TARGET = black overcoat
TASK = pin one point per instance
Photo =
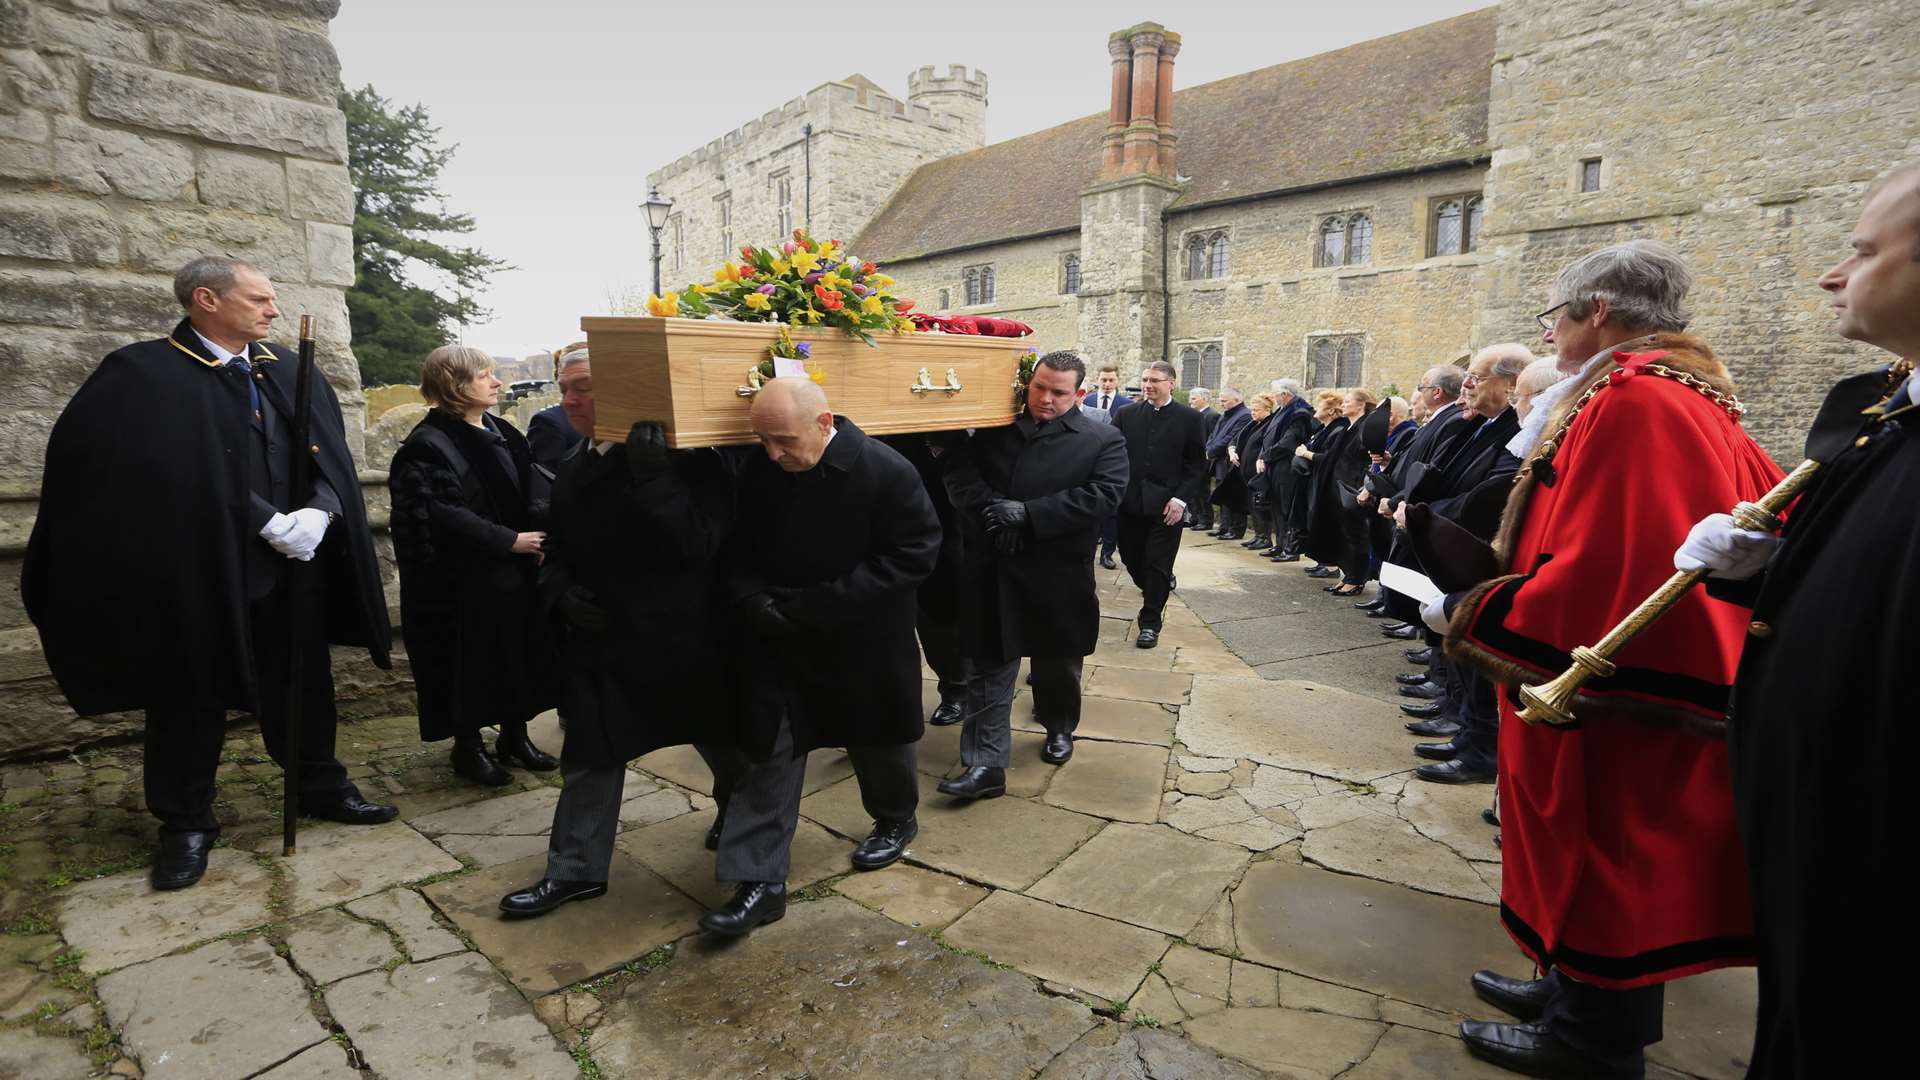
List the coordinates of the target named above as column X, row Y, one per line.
column 135, row 570
column 466, row 600
column 1226, row 433
column 939, row 595
column 550, row 437
column 1166, row 456
column 1252, row 481
column 843, row 547
column 650, row 555
column 1287, row 429
column 1039, row 601
column 1336, row 528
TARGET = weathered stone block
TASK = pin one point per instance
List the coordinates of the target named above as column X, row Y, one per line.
column 25, row 151
column 106, row 161
column 309, row 67
column 41, row 368
column 87, row 35
column 319, row 192
column 16, row 22
column 165, row 240
column 242, row 181
column 143, row 306
column 156, row 99
column 38, row 81
column 329, row 254
column 58, row 230
column 44, row 297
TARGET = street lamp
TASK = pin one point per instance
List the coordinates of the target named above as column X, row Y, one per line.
column 657, row 208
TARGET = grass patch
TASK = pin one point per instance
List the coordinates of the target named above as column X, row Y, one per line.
column 30, row 923
column 629, row 971
column 583, row 1058
column 971, row 954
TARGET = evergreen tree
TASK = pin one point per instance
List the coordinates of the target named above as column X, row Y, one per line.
column 399, row 215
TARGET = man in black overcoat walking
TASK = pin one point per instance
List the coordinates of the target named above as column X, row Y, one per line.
column 1166, row 459
column 1030, row 498
column 824, row 589
column 630, row 589
column 158, row 571
column 550, row 432
column 937, row 611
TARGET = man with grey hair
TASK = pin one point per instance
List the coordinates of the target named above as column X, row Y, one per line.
column 550, row 432
column 1289, row 428
column 168, row 501
column 1234, row 418
column 1166, row 461
column 1645, row 441
column 1200, row 514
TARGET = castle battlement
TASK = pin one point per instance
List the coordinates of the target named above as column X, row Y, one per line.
column 955, row 81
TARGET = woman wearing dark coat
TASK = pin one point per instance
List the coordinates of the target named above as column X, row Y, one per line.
column 1245, row 455
column 1292, row 425
column 1327, row 424
column 465, row 513
column 1337, row 525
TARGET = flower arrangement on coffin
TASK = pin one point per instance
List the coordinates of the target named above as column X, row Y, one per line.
column 804, row 282
column 1022, row 375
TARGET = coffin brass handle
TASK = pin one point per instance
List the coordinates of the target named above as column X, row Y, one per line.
column 754, row 381
column 925, row 385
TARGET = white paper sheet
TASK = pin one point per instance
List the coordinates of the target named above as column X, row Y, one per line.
column 1417, row 586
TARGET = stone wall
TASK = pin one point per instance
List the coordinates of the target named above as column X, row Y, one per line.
column 134, row 135
column 865, row 143
column 1744, row 132
column 1027, row 286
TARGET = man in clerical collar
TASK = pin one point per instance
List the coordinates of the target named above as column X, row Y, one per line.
column 1166, row 465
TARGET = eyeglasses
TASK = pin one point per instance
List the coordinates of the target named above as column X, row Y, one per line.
column 1546, row 318
column 1469, row 379
column 1423, row 388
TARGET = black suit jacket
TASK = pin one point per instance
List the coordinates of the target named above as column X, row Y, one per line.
column 1473, row 460
column 551, row 437
column 1166, row 456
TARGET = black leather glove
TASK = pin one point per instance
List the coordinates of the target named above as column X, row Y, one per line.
column 1008, row 541
column 646, row 450
column 582, row 610
column 762, row 616
column 1006, row 514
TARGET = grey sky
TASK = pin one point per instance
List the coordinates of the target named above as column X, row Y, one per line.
column 562, row 107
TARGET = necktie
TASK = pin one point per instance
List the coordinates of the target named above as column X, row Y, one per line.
column 240, row 364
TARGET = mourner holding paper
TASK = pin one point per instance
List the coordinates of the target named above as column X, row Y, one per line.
column 166, row 501
column 1822, row 717
column 1622, row 869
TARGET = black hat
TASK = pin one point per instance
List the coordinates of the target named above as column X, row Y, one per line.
column 1374, row 429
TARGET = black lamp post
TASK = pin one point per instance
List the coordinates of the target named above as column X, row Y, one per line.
column 657, row 208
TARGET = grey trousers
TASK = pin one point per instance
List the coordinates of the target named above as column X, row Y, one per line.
column 585, row 821
column 763, row 810
column 986, row 734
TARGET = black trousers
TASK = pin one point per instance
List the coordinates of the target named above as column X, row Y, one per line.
column 1148, row 546
column 183, row 743
column 1201, row 512
column 1109, row 535
column 1609, row 1026
column 940, row 644
column 1478, row 740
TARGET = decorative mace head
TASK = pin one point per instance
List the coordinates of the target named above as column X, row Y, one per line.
column 1552, row 701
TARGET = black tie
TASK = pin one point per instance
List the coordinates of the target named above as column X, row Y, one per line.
column 245, row 368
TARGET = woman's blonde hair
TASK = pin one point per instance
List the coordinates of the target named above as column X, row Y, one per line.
column 447, row 372
column 1327, row 399
column 1366, row 396
column 1264, row 400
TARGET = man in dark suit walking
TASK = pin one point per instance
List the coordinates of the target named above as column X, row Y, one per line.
column 1110, row 399
column 1166, row 458
column 550, row 433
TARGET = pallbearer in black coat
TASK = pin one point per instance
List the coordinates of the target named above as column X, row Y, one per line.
column 630, row 590
column 1166, row 459
column 937, row 614
column 1029, row 498
column 468, row 511
column 824, row 589
column 1821, row 725
column 165, row 502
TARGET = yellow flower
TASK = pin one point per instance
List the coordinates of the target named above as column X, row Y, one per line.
column 704, row 290
column 872, row 305
column 780, row 266
column 817, row 373
column 804, row 262
column 664, row 307
column 727, row 274
column 879, row 281
column 756, row 301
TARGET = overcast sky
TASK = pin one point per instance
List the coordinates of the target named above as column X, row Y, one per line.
column 561, row 107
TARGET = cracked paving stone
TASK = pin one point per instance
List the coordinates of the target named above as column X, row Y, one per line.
column 326, row 1061
column 676, row 849
column 527, row 813
column 121, row 920
column 832, row 992
column 487, row 851
column 922, row 899
column 1406, row 1051
column 1450, row 814
column 31, row 1056
column 346, row 862
column 1107, row 718
column 1196, row 764
column 1117, row 781
column 1148, row 875
column 1287, row 1041
column 1279, row 787
column 1388, row 849
column 1115, row 1052
column 1167, row 688
column 1155, row 1001
column 229, row 1008
column 1296, row 725
column 1191, row 783
column 1199, row 980
column 1191, row 813
column 1087, row 952
column 1258, row 834
column 329, row 946
column 453, row 1017
column 405, row 913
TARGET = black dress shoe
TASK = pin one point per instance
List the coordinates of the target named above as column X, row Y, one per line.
column 1487, row 815
column 1058, row 749
column 547, row 894
column 1147, row 639
column 1324, row 572
column 1374, row 604
column 713, row 834
column 1532, row 1050
column 1260, row 543
column 1440, row 727
column 754, row 903
column 181, row 860
column 1380, row 613
column 1426, row 711
column 1236, row 534
column 1523, row 998
column 1420, row 656
column 348, row 808
column 1425, row 691
column 1496, row 841
column 978, row 782
column 885, row 844
column 1412, row 678
column 1435, row 751
column 1407, row 632
column 1107, row 563
column 472, row 762
column 1453, row 772
column 1284, row 555
column 517, row 747
column 946, row 714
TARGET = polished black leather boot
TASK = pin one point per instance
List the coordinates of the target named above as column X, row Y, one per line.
column 946, row 714
column 348, row 808
column 1058, row 748
column 181, row 859
column 548, row 893
column 754, row 903
column 1532, row 1050
column 885, row 844
column 515, row 746
column 979, row 782
column 472, row 762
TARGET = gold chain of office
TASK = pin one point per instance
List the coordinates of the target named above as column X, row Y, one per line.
column 1726, row 402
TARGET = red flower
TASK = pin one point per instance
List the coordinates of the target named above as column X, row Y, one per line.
column 746, row 252
column 902, row 306
column 867, row 268
column 826, row 295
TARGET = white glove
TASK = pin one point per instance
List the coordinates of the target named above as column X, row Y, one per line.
column 1724, row 549
column 296, row 535
column 1434, row 614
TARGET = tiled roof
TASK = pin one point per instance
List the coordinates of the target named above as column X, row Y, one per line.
column 1400, row 102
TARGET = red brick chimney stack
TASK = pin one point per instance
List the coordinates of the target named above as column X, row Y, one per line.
column 1139, row 139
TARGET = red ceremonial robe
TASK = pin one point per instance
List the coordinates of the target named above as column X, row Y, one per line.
column 1621, row 863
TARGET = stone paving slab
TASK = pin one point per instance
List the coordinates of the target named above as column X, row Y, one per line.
column 1295, row 725
column 1367, row 670
column 832, row 992
column 1147, row 875
column 229, row 1008
column 1117, row 1052
column 1165, row 687
column 345, row 862
column 1087, row 952
column 1450, row 814
column 676, row 850
column 329, row 946
column 1710, row 1023
column 1406, row 1051
column 1125, row 654
column 405, row 913
column 1300, row 634
column 526, row 813
column 1027, row 775
column 921, row 899
column 487, row 851
column 681, row 765
column 1118, row 781
column 1287, row 1041
column 1112, row 719
column 326, row 1061
column 1382, row 938
column 453, row 1017
column 1008, row 843
column 1388, row 849
column 575, row 942
column 29, row 1056
column 121, row 920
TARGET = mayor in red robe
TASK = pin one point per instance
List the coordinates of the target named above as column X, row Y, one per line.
column 1622, row 866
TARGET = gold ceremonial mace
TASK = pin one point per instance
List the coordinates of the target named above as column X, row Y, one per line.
column 1553, row 701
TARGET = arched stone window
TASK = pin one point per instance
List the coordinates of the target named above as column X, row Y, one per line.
column 1344, row 240
column 1359, row 239
column 986, row 284
column 1196, row 257
column 1323, row 355
column 1210, row 358
column 1190, row 367
column 1332, row 249
column 1070, row 273
column 1457, row 224
column 1476, row 216
column 979, row 283
column 1336, row 360
column 1352, row 362
column 1217, row 255
column 1206, row 255
column 946, row 300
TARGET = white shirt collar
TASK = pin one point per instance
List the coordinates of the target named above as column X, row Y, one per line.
column 219, row 352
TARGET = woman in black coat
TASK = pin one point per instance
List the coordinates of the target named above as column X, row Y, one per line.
column 465, row 508
column 1327, row 423
column 1245, row 455
column 1337, row 525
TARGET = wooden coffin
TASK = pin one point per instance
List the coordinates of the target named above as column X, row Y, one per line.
column 691, row 375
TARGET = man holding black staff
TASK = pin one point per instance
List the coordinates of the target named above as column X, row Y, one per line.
column 159, row 568
column 1166, row 459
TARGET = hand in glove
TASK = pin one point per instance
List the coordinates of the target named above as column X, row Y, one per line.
column 763, row 616
column 582, row 610
column 1434, row 614
column 646, row 450
column 296, row 535
column 1724, row 549
column 1006, row 514
column 1008, row 541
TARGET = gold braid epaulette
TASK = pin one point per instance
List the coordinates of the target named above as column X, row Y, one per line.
column 1541, row 464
